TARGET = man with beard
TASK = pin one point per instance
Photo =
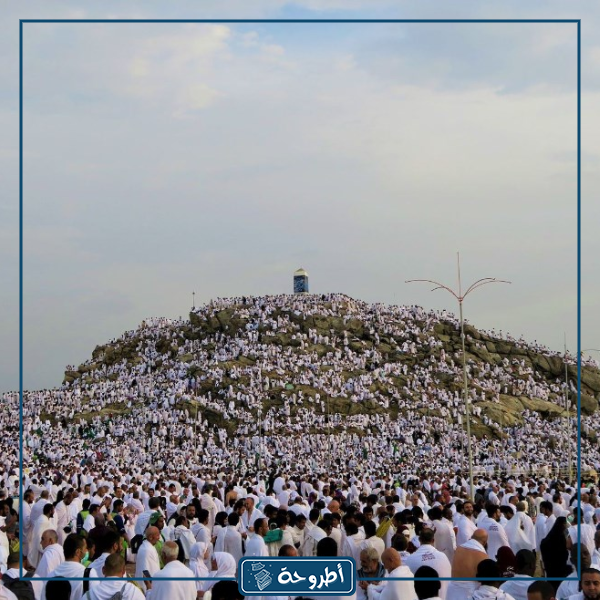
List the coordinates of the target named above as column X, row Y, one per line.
column 465, row 525
column 590, row 585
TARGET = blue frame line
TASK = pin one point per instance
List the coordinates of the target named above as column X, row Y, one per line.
column 300, row 21
column 357, row 579
column 306, row 21
column 579, row 294
column 21, row 491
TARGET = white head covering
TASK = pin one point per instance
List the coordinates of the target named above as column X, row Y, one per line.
column 197, row 552
column 226, row 566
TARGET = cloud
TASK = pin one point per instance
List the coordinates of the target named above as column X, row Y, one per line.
column 193, row 98
column 510, row 58
column 222, row 157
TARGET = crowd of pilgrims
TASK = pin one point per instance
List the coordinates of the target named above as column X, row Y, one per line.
column 132, row 536
column 144, row 421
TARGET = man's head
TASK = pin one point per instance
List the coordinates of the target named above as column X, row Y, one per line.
column 153, row 535
column 426, row 537
column 586, row 559
column 114, row 566
column 468, row 508
column 48, row 510
column 326, row 526
column 525, row 562
column 370, row 529
column 435, row 513
column 327, row 547
column 182, row 521
column 590, row 584
column 12, row 562
column 488, row 569
column 203, row 515
column 287, row 550
column 426, row 589
column 74, row 547
column 481, row 536
column 226, row 590
column 369, row 561
column 391, row 559
column 493, row 511
column 261, row 527
column 49, row 537
column 170, row 552
column 546, row 508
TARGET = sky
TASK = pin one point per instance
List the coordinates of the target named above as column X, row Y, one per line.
column 217, row 158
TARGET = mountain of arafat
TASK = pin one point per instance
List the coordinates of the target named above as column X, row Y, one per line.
column 338, row 380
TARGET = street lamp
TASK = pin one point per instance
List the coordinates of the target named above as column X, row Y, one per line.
column 260, row 436
column 568, row 417
column 460, row 297
column 590, row 350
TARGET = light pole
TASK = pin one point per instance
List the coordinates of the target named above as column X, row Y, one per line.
column 568, row 416
column 260, row 439
column 193, row 300
column 460, row 297
column 589, row 350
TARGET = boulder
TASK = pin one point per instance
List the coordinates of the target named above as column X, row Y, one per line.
column 482, row 353
column 556, row 365
column 500, row 414
column 491, row 347
column 544, row 407
column 589, row 404
column 591, row 378
column 503, row 347
column 541, row 362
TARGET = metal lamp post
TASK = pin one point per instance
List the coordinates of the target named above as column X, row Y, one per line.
column 587, row 350
column 590, row 350
column 568, row 417
column 260, row 437
column 460, row 298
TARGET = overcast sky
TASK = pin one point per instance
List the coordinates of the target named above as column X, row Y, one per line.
column 161, row 159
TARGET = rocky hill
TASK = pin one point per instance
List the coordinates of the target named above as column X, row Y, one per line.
column 361, row 358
